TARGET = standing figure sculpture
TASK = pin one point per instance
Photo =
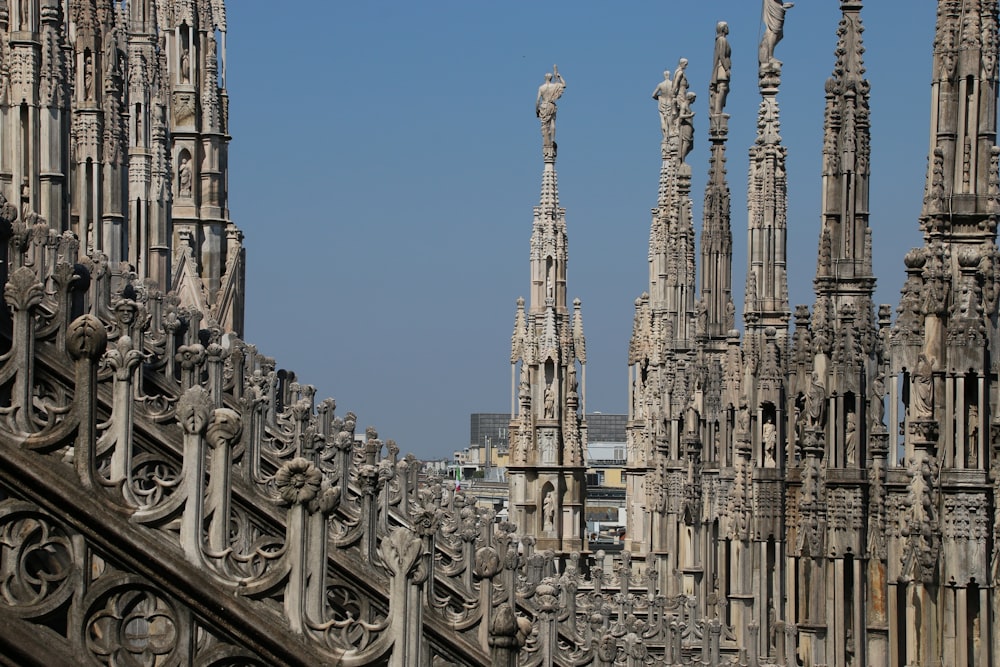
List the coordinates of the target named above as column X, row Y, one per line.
column 851, row 438
column 88, row 78
column 722, row 65
column 972, row 433
column 545, row 105
column 549, row 512
column 770, row 438
column 922, row 389
column 664, row 96
column 816, row 403
column 685, row 127
column 680, row 80
column 774, row 30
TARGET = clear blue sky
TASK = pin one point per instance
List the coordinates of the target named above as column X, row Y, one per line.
column 386, row 158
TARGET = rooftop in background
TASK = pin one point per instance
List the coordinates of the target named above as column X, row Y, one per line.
column 491, row 428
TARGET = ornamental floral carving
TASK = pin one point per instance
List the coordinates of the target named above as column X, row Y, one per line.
column 298, row 481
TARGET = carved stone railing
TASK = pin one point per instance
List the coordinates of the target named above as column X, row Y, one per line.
column 169, row 493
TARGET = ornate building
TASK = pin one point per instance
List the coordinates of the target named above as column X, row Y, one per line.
column 115, row 131
column 816, row 494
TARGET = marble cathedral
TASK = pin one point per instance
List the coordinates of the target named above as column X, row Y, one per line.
column 817, row 489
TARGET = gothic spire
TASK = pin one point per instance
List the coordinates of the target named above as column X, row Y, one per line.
column 715, row 311
column 844, row 277
column 548, row 434
column 766, row 299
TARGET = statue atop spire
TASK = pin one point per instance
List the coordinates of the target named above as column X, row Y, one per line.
column 545, row 108
column 774, row 30
column 722, row 66
column 674, row 104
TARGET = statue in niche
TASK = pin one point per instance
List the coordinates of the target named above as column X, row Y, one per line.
column 545, row 104
column 185, row 65
column 691, row 417
column 774, row 30
column 25, row 24
column 770, row 437
column 664, row 96
column 972, row 433
column 876, row 405
column 184, row 179
column 922, row 389
column 815, row 403
column 730, row 315
column 851, row 438
column 721, row 68
column 88, row 78
column 549, row 512
column 685, row 120
column 550, row 403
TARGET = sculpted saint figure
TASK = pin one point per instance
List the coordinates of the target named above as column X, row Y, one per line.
column 922, row 389
column 88, row 78
column 774, row 30
column 815, row 402
column 680, row 80
column 664, row 96
column 686, row 124
column 550, row 403
column 548, row 512
column 184, row 177
column 876, row 409
column 545, row 104
column 721, row 68
column 770, row 438
column 185, row 65
column 851, row 438
column 743, row 419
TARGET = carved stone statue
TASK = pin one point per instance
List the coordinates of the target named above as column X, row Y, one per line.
column 664, row 96
column 851, row 438
column 876, row 405
column 721, row 68
column 545, row 104
column 185, row 65
column 550, row 403
column 774, row 30
column 770, row 438
column 685, row 118
column 549, row 512
column 922, row 389
column 816, row 403
column 743, row 419
column 184, row 177
column 88, row 78
column 680, row 80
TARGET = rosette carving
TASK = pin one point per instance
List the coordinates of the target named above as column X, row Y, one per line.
column 298, row 481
